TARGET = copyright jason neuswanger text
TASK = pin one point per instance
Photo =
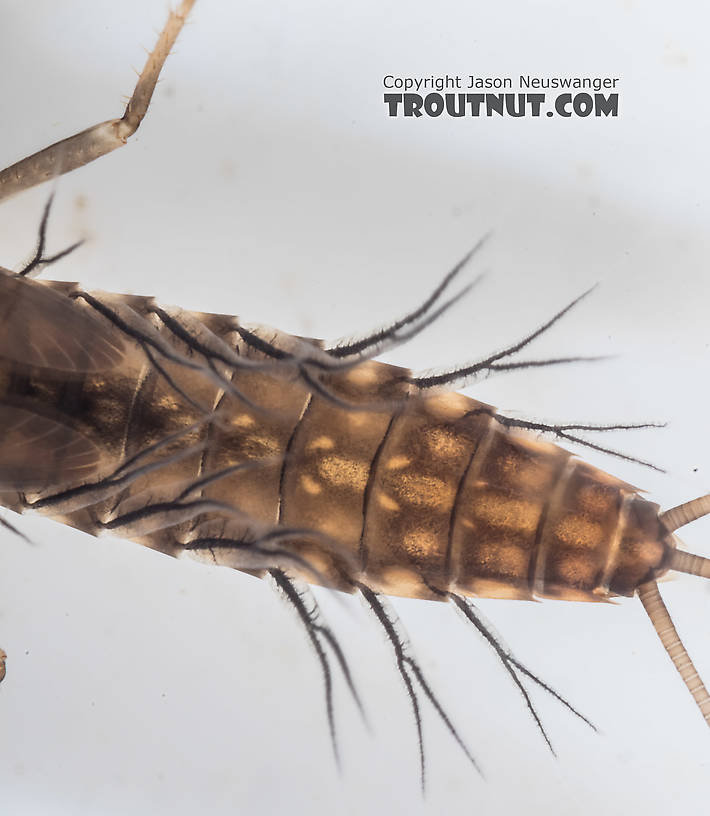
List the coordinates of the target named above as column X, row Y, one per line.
column 471, row 95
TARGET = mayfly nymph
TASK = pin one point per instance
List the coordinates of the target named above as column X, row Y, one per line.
column 198, row 434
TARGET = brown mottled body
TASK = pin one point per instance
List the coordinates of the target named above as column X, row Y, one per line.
column 410, row 492
column 413, row 493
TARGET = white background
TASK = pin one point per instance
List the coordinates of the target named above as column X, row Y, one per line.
column 267, row 181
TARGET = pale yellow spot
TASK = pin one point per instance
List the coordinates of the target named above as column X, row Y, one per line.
column 243, row 421
column 321, row 443
column 344, row 472
column 341, row 528
column 398, row 462
column 400, row 581
column 449, row 405
column 387, row 503
column 310, row 485
column 364, row 373
column 358, row 419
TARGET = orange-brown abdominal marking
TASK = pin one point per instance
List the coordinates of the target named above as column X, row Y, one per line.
column 438, row 494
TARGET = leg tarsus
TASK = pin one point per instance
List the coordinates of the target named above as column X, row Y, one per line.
column 81, row 148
